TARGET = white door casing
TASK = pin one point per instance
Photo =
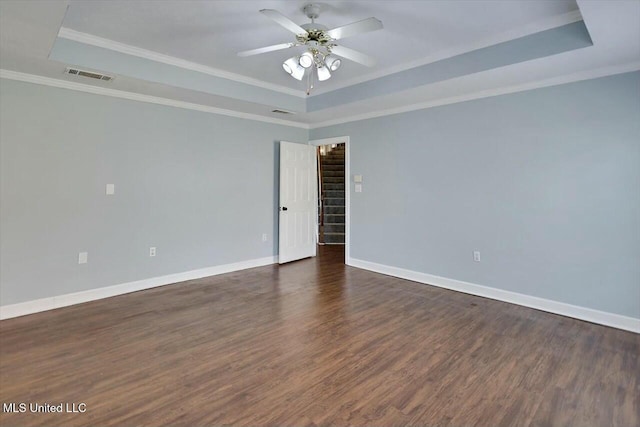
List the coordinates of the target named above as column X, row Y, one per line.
column 298, row 202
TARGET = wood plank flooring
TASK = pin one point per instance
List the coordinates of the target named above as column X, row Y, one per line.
column 316, row 343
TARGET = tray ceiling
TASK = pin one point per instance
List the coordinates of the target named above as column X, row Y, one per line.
column 212, row 32
column 429, row 53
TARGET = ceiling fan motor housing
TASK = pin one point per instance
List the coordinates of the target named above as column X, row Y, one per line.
column 315, row 33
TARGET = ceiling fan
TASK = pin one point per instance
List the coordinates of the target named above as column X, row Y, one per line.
column 323, row 54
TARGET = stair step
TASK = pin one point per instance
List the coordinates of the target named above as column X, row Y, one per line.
column 332, row 173
column 334, row 194
column 333, row 168
column 329, row 210
column 333, row 186
column 333, row 180
column 334, row 238
column 333, row 201
column 334, row 218
column 333, row 228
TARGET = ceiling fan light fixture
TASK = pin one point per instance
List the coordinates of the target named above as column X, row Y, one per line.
column 322, row 55
column 298, row 73
column 306, row 60
column 292, row 67
column 333, row 63
column 287, row 66
column 323, row 74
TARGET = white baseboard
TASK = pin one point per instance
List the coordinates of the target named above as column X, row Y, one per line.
column 43, row 304
column 582, row 313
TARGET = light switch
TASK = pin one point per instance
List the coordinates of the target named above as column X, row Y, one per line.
column 111, row 189
column 357, row 178
column 358, row 188
column 83, row 257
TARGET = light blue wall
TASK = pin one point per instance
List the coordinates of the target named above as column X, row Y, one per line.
column 199, row 187
column 545, row 183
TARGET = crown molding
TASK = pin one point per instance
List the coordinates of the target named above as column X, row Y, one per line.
column 98, row 90
column 555, row 81
column 90, row 39
column 516, row 33
column 132, row 96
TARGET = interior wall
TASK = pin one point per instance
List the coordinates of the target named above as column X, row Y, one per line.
column 199, row 187
column 544, row 183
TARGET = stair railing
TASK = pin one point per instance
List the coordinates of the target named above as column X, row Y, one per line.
column 320, row 195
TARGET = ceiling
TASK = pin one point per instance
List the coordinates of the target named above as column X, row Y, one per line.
column 212, row 32
column 203, row 37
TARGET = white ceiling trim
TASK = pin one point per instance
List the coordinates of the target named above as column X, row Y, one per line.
column 132, row 96
column 90, row 39
column 555, row 81
column 97, row 90
column 525, row 30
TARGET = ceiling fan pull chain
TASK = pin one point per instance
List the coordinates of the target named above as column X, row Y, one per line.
column 309, row 81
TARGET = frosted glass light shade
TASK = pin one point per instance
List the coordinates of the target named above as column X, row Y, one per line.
column 306, row 60
column 333, row 63
column 292, row 67
column 323, row 74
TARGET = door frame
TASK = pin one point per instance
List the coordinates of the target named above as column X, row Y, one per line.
column 347, row 189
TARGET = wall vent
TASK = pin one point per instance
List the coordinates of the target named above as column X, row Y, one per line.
column 90, row 74
column 282, row 112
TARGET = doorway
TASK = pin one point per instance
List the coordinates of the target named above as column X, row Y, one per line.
column 333, row 219
column 331, row 194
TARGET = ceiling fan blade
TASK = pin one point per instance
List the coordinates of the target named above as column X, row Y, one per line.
column 266, row 49
column 364, row 26
column 284, row 21
column 354, row 55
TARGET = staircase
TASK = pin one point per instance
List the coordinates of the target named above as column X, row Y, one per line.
column 332, row 163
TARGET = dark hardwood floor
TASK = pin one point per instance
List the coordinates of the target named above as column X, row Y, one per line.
column 316, row 343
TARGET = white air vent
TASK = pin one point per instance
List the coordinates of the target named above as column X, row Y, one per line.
column 282, row 112
column 90, row 74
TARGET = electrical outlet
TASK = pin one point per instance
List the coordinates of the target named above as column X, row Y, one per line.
column 152, row 251
column 476, row 256
column 83, row 257
column 111, row 189
column 265, row 237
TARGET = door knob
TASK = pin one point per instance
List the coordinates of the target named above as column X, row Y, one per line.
column 284, row 208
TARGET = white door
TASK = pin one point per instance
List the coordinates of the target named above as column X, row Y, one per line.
column 298, row 202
